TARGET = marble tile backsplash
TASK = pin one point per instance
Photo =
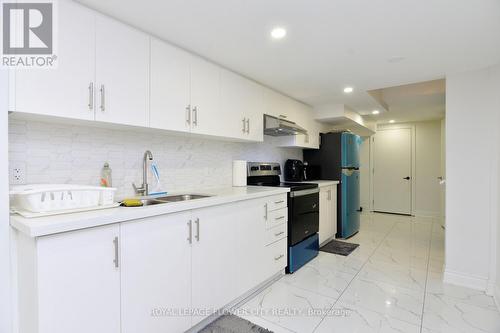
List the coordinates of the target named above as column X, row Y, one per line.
column 60, row 153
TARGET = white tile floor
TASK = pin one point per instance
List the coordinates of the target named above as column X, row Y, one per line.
column 391, row 283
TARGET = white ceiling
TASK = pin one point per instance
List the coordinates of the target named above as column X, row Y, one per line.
column 412, row 102
column 330, row 43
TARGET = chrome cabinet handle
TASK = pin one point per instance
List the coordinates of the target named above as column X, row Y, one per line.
column 279, row 257
column 197, row 236
column 103, row 98
column 279, row 233
column 265, row 211
column 190, row 232
column 279, row 218
column 278, row 202
column 116, row 260
column 195, row 116
column 91, row 96
column 188, row 114
column 244, row 126
column 248, row 125
column 329, row 195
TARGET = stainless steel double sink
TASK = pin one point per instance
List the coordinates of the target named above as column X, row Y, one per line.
column 172, row 198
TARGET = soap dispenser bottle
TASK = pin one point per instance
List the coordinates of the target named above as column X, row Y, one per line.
column 106, row 180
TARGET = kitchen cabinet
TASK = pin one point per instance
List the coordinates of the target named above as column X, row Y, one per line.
column 70, row 282
column 207, row 116
column 146, row 272
column 327, row 213
column 122, row 73
column 65, row 91
column 156, row 274
column 170, row 87
column 243, row 103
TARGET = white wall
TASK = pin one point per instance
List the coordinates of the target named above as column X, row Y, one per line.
column 5, row 283
column 56, row 153
column 472, row 120
column 427, row 135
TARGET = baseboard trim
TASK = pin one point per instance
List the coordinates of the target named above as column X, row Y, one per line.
column 423, row 213
column 463, row 280
column 496, row 296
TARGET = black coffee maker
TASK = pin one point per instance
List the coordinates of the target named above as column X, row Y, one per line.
column 294, row 171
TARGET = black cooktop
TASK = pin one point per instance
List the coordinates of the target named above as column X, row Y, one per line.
column 292, row 186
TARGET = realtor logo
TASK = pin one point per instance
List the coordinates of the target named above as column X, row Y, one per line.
column 28, row 34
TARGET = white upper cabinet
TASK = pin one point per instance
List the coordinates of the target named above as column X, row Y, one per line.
column 122, row 73
column 65, row 91
column 77, row 282
column 207, row 116
column 156, row 273
column 170, row 87
column 242, row 102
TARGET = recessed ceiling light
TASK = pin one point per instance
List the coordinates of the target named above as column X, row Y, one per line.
column 392, row 121
column 278, row 33
column 348, row 90
column 375, row 112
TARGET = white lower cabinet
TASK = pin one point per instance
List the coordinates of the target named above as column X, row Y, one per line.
column 70, row 282
column 158, row 274
column 155, row 274
column 327, row 213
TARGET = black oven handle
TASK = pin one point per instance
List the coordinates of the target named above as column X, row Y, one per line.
column 300, row 193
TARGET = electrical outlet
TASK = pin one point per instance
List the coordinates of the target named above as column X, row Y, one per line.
column 17, row 173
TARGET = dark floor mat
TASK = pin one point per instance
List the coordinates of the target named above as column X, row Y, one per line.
column 233, row 324
column 338, row 247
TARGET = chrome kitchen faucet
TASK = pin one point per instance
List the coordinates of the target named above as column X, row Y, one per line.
column 144, row 189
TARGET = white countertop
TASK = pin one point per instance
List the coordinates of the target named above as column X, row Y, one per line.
column 322, row 183
column 41, row 226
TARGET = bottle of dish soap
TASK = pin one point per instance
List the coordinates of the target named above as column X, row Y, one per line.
column 106, row 180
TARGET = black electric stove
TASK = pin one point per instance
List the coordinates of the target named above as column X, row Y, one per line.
column 303, row 212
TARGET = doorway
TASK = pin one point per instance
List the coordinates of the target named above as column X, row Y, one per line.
column 392, row 171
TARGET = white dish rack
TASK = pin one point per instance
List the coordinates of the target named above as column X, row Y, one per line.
column 51, row 198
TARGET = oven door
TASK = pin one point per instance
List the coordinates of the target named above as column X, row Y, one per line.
column 303, row 215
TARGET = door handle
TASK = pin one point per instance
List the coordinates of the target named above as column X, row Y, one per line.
column 190, row 232
column 248, row 125
column 91, row 96
column 103, row 98
column 188, row 114
column 195, row 116
column 244, row 125
column 116, row 259
column 407, row 178
column 329, row 195
column 265, row 211
column 197, row 222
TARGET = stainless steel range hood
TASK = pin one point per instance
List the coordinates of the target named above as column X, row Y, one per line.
column 280, row 127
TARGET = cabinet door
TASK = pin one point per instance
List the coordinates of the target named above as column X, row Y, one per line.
column 333, row 207
column 65, row 91
column 214, row 261
column 156, row 274
column 170, row 87
column 249, row 253
column 78, row 282
column 122, row 73
column 242, row 102
column 207, row 116
column 324, row 208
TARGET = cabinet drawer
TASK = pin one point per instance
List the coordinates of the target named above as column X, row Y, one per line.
column 276, row 217
column 277, row 202
column 276, row 253
column 276, row 233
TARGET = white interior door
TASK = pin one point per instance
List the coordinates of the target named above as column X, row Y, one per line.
column 392, row 166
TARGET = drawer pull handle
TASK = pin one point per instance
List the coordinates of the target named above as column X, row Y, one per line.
column 279, row 202
column 279, row 233
column 279, row 257
column 280, row 218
